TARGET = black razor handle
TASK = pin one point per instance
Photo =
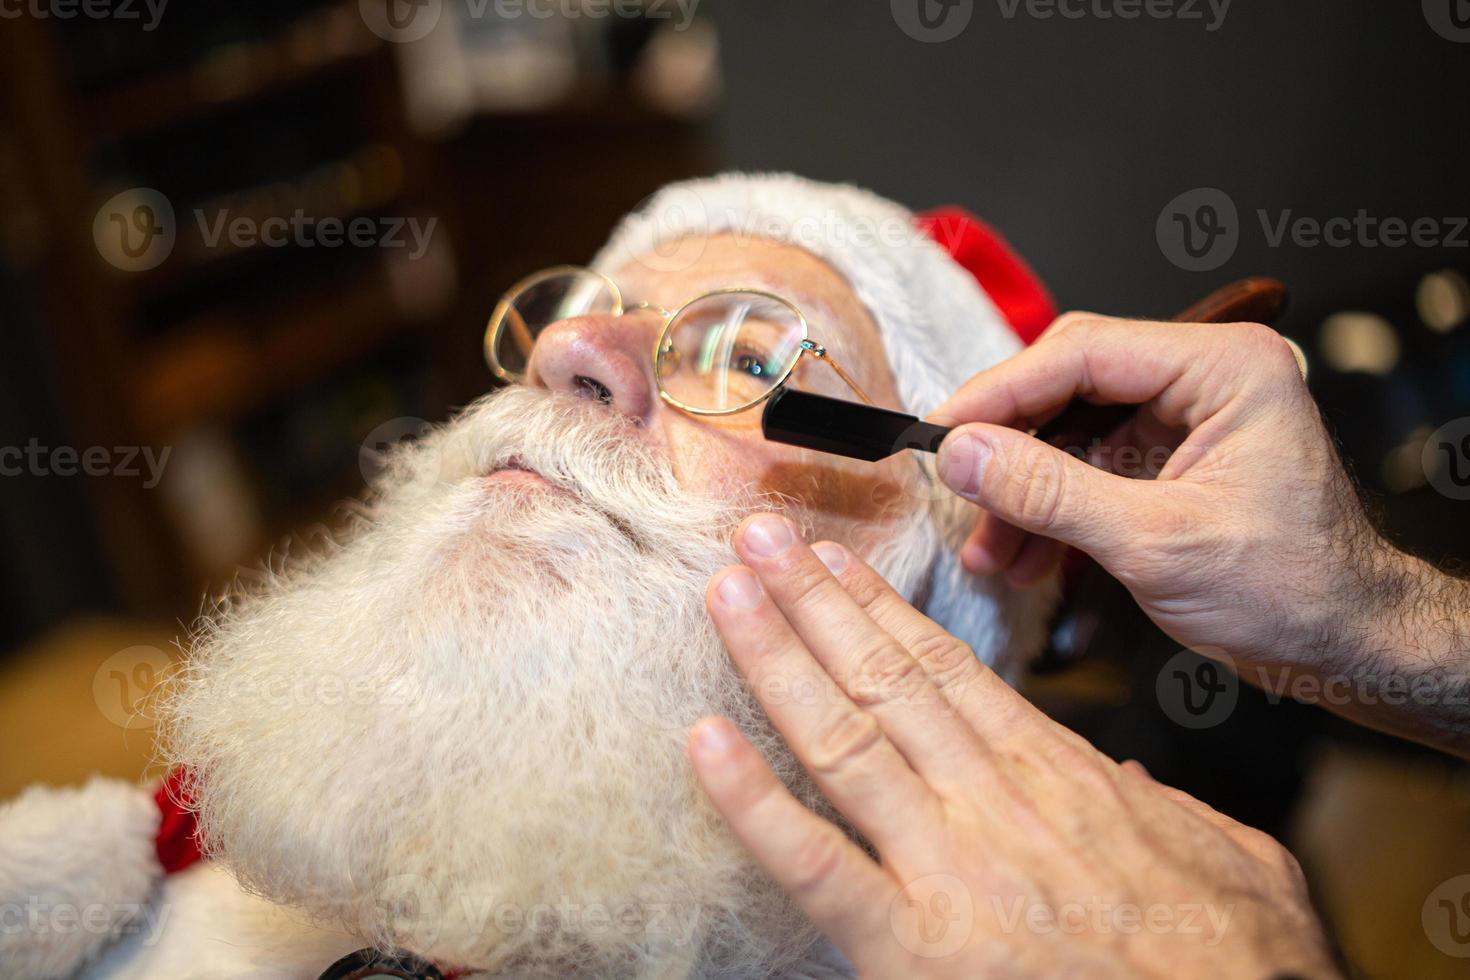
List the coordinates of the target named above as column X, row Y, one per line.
column 831, row 425
column 858, row 431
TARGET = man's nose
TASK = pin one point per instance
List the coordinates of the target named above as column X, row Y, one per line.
column 605, row 358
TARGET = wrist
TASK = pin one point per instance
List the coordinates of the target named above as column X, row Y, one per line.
column 1397, row 642
column 1340, row 615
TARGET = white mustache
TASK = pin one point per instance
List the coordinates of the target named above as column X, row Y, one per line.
column 602, row 458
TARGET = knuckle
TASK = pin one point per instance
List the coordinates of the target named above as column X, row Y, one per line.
column 1066, row 757
column 884, row 674
column 808, row 587
column 1081, row 763
column 817, row 860
column 842, row 739
column 1039, row 492
column 945, row 659
column 1276, row 855
column 1269, row 349
column 865, row 592
column 1071, row 321
column 1292, row 866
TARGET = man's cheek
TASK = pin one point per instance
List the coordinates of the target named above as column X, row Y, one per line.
column 718, row 459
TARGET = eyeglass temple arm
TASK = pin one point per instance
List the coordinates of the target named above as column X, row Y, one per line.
column 822, row 354
column 522, row 333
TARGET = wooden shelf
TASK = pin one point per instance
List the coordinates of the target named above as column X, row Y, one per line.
column 232, row 75
column 224, row 366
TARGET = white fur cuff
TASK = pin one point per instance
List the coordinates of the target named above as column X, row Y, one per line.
column 75, row 866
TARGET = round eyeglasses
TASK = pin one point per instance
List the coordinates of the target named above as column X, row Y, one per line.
column 719, row 353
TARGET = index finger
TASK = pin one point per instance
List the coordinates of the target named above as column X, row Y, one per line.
column 994, row 709
column 1106, row 361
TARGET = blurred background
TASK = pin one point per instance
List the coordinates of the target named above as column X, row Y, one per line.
column 180, row 398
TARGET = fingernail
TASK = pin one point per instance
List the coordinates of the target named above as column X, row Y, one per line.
column 714, row 738
column 963, row 464
column 833, row 555
column 739, row 589
column 768, row 536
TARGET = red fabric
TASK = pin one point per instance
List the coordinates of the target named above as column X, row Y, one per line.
column 1006, row 279
column 177, row 841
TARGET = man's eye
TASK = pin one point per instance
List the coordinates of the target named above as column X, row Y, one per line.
column 747, row 363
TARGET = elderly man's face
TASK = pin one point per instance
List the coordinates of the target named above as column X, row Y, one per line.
column 726, row 454
column 517, row 635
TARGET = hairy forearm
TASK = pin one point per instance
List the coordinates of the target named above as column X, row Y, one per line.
column 1424, row 634
column 1392, row 653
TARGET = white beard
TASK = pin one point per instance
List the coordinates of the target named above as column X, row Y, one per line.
column 462, row 732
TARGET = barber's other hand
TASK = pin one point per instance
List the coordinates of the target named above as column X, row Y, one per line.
column 1005, row 844
column 1222, row 506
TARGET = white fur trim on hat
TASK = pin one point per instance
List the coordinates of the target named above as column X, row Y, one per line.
column 938, row 326
column 76, row 865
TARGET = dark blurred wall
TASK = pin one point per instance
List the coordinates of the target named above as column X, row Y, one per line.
column 1072, row 135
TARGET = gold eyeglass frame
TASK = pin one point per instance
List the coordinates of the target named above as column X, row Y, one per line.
column 505, row 313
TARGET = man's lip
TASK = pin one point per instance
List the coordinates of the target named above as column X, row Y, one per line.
column 516, row 475
column 515, row 470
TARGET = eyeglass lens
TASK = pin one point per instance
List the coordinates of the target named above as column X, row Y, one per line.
column 726, row 351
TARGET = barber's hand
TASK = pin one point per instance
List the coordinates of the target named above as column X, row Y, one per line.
column 1005, row 844
column 1244, row 533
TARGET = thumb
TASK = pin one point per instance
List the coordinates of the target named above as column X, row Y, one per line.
column 1040, row 488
